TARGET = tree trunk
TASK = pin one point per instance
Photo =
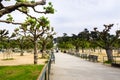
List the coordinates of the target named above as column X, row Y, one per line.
column 100, row 50
column 21, row 46
column 21, row 54
column 94, row 49
column 43, row 50
column 77, row 49
column 82, row 50
column 35, row 52
column 109, row 54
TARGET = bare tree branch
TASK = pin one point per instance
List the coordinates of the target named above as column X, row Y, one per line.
column 42, row 32
column 16, row 23
column 11, row 8
column 28, row 15
column 38, row 11
column 1, row 5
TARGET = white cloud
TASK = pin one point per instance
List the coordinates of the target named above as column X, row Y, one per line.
column 86, row 13
column 73, row 16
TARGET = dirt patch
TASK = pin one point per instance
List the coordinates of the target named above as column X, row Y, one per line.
column 101, row 54
column 19, row 60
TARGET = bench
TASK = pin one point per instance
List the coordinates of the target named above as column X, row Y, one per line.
column 93, row 58
column 84, row 56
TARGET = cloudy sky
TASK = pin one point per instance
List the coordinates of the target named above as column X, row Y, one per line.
column 72, row 16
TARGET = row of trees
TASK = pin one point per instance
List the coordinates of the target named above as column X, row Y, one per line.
column 92, row 39
column 22, row 42
column 33, row 30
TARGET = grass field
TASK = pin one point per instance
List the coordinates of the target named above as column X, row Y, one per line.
column 20, row 72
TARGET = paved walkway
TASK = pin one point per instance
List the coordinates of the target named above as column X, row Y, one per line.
column 69, row 67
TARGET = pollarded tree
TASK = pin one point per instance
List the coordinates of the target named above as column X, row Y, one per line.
column 105, row 40
column 21, row 44
column 27, row 44
column 66, row 46
column 14, row 44
column 84, row 39
column 9, row 39
column 23, row 6
column 75, row 40
column 50, row 44
column 64, row 42
column 43, row 43
column 24, row 43
column 9, row 51
column 45, row 40
column 3, row 36
column 92, row 45
column 36, row 30
column 21, row 35
column 5, row 41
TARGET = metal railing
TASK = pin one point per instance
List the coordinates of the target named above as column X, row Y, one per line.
column 116, row 59
column 45, row 73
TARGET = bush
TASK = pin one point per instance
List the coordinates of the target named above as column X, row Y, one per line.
column 107, row 62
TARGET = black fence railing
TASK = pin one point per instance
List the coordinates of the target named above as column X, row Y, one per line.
column 116, row 59
column 45, row 73
column 89, row 57
column 115, row 62
column 94, row 58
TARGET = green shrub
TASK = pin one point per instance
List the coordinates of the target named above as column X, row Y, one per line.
column 107, row 62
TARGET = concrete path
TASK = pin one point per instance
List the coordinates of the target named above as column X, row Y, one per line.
column 69, row 67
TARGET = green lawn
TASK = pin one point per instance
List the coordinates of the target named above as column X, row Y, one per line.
column 21, row 72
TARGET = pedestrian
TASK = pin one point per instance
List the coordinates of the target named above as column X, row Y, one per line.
column 52, row 57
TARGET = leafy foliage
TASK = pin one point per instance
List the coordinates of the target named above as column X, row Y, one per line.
column 49, row 8
column 10, row 18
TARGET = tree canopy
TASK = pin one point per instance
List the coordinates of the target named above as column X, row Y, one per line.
column 24, row 7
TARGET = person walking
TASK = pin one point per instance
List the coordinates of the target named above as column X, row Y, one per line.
column 52, row 57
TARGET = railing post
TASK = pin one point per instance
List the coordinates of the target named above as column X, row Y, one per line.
column 49, row 67
column 48, row 70
column 45, row 76
column 103, row 59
